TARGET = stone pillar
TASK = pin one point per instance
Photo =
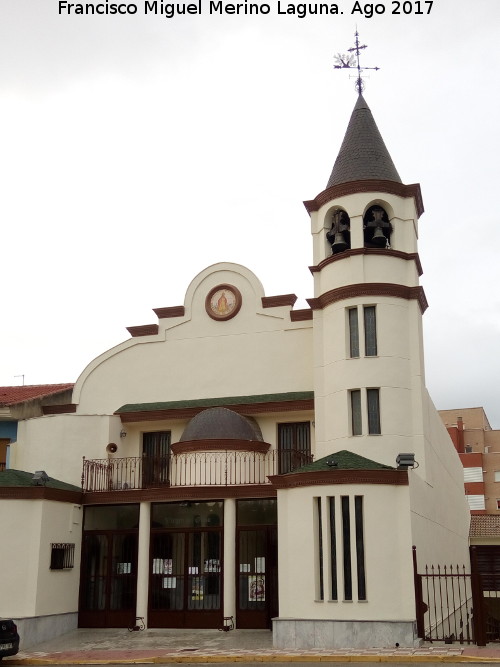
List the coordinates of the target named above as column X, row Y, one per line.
column 229, row 557
column 143, row 561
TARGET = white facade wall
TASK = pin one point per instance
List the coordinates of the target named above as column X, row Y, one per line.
column 40, row 591
column 258, row 352
column 387, row 533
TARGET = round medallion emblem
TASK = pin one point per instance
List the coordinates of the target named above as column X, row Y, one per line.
column 223, row 302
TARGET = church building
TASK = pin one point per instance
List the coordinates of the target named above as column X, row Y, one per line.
column 244, row 462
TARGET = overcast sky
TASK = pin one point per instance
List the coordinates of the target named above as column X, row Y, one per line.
column 136, row 150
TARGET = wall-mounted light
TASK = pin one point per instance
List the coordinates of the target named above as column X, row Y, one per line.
column 405, row 461
column 123, row 434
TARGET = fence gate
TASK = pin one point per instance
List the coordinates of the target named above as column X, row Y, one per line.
column 454, row 605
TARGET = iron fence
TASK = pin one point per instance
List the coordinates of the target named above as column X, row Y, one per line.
column 220, row 468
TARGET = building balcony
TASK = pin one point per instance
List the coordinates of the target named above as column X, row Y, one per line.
column 215, row 468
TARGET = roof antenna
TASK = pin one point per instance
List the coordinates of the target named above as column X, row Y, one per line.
column 350, row 60
column 20, row 376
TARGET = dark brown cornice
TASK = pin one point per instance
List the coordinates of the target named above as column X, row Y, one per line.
column 301, row 315
column 144, row 330
column 242, row 409
column 323, row 477
column 370, row 289
column 228, row 444
column 58, row 409
column 171, row 311
column 40, row 493
column 372, row 185
column 280, row 300
column 369, row 251
column 179, row 493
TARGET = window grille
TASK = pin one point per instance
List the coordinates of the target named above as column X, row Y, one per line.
column 62, row 556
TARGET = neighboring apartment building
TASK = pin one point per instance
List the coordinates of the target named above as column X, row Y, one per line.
column 23, row 402
column 239, row 458
column 478, row 446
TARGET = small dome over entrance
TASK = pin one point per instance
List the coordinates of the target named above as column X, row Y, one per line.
column 221, row 424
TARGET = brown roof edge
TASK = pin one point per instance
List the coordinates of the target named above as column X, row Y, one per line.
column 301, row 315
column 279, row 300
column 413, row 256
column 323, row 477
column 369, row 185
column 170, row 311
column 370, row 289
column 242, row 409
column 143, row 330
column 40, row 493
column 59, row 409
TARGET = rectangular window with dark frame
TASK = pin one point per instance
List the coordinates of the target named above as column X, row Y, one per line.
column 360, row 547
column 346, row 543
column 370, row 322
column 373, row 406
column 333, row 550
column 294, row 446
column 356, row 423
column 352, row 315
column 320, row 594
column 62, row 556
column 155, row 458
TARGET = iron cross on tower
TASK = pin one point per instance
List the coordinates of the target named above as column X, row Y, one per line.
column 350, row 60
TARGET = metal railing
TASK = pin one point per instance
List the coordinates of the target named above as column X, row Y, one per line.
column 221, row 468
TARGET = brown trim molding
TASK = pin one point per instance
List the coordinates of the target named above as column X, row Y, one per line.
column 280, row 300
column 301, row 315
column 40, row 493
column 58, row 409
column 143, row 330
column 370, row 289
column 413, row 256
column 171, row 311
column 371, row 185
column 226, row 445
column 322, row 477
column 242, row 409
column 179, row 493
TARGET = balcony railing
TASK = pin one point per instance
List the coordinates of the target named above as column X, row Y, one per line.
column 3, row 466
column 223, row 468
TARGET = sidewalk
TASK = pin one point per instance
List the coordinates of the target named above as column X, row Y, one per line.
column 102, row 646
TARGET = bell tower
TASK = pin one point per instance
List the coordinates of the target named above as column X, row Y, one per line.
column 368, row 304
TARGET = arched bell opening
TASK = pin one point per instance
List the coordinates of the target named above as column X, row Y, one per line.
column 339, row 236
column 377, row 229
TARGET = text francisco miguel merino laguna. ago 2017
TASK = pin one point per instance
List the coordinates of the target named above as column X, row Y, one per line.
column 219, row 7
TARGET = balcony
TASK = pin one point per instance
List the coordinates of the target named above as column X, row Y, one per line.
column 219, row 468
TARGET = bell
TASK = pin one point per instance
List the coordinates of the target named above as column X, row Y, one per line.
column 339, row 244
column 378, row 238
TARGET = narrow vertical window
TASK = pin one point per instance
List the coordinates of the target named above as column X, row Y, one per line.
column 373, row 404
column 360, row 547
column 353, row 332
column 356, row 412
column 333, row 550
column 319, row 543
column 346, row 541
column 370, row 321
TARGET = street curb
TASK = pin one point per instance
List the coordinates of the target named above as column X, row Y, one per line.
column 252, row 657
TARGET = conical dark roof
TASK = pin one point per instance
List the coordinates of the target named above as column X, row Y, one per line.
column 363, row 154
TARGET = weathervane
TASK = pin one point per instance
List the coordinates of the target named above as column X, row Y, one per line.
column 350, row 60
